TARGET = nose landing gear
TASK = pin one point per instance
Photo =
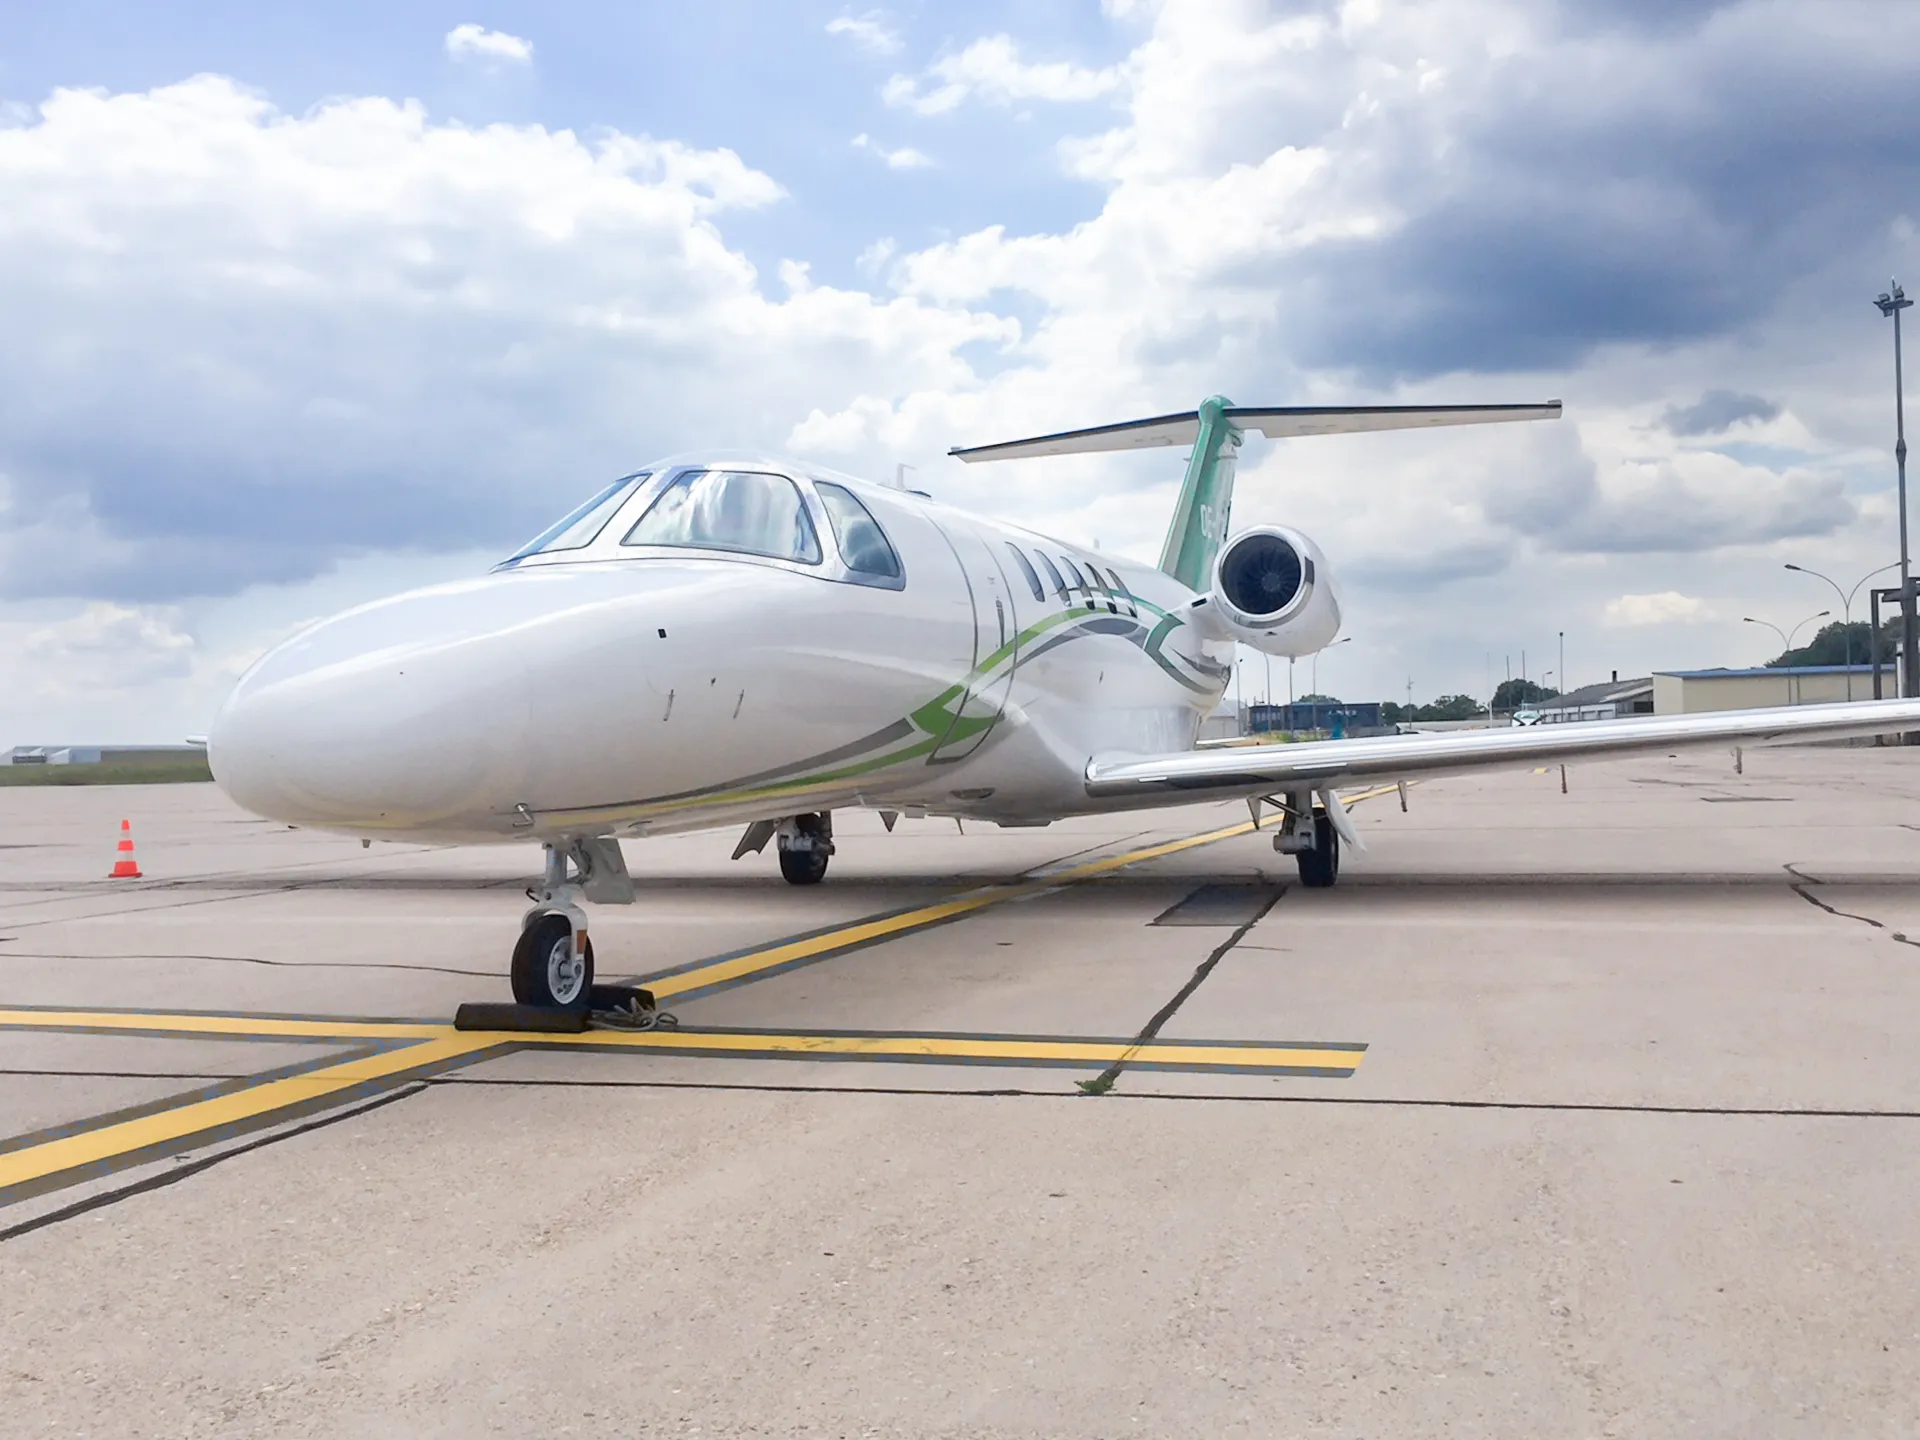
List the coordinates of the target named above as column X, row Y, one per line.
column 552, row 963
column 553, row 959
column 806, row 843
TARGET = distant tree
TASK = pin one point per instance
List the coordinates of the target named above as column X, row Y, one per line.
column 1451, row 707
column 1838, row 642
column 1317, row 700
column 1392, row 712
column 1513, row 694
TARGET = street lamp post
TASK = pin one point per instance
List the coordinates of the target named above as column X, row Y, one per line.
column 1786, row 639
column 1846, row 611
column 1891, row 303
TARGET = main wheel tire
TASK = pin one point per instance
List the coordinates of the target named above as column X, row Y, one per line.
column 803, row 867
column 1320, row 866
column 546, row 971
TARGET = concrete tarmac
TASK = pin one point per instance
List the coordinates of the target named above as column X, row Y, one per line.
column 1594, row 1114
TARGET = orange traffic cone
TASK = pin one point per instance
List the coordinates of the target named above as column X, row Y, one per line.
column 126, row 867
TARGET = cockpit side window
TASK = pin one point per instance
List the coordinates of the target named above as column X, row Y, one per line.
column 1079, row 580
column 745, row 511
column 863, row 544
column 581, row 526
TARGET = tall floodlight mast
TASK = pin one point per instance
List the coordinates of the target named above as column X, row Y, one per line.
column 1892, row 303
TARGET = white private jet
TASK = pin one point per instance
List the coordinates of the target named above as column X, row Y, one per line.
column 725, row 639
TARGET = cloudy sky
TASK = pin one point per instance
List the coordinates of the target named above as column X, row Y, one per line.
column 301, row 304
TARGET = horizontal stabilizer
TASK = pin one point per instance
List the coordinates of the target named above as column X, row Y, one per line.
column 1274, row 422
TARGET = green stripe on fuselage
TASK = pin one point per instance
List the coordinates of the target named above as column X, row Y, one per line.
column 935, row 723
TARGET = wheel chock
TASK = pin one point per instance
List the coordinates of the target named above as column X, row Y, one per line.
column 540, row 1019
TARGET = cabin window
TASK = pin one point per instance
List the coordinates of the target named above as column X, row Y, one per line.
column 745, row 511
column 1079, row 580
column 863, row 544
column 1059, row 585
column 581, row 526
column 1026, row 569
column 1106, row 594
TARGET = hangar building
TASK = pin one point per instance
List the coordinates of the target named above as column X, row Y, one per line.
column 1687, row 692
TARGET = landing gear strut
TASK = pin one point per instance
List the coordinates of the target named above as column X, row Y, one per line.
column 806, row 844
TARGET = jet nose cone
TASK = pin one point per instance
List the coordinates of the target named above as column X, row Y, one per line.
column 406, row 713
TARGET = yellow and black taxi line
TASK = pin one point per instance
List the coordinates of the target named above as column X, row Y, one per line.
column 377, row 1056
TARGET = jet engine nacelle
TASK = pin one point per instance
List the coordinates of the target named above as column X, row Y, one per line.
column 1272, row 591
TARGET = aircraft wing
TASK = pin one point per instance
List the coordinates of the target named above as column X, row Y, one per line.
column 1275, row 423
column 1259, row 770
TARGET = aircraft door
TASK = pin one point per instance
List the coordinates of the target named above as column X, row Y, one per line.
column 996, row 629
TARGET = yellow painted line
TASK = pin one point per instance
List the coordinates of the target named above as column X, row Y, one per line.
column 171, row 1127
column 434, row 1045
column 736, row 968
column 864, row 932
column 251, row 1026
column 1016, row 1049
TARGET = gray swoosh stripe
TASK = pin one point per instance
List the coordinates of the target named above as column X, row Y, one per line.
column 879, row 739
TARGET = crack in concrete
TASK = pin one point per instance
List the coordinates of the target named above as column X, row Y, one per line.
column 1387, row 1102
column 1807, row 895
column 259, row 960
column 1103, row 1082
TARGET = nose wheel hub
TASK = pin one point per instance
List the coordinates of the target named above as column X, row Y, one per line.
column 566, row 971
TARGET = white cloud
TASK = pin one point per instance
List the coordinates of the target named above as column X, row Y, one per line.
column 992, row 70
column 105, row 648
column 245, row 344
column 869, row 31
column 905, row 158
column 873, row 260
column 1668, row 607
column 475, row 42
column 247, row 350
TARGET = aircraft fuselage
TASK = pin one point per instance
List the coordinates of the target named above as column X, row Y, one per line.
column 620, row 689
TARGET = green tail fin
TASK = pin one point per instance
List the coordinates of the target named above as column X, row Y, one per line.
column 1200, row 516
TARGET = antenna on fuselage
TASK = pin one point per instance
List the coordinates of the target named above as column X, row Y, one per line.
column 900, row 475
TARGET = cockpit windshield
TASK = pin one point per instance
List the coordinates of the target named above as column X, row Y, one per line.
column 746, row 511
column 581, row 526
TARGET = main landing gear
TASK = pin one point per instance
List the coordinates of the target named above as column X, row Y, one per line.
column 806, row 844
column 1309, row 835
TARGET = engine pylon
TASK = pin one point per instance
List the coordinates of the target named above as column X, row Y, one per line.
column 125, row 867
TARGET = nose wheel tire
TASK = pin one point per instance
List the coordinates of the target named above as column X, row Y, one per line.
column 547, row 969
column 1320, row 866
